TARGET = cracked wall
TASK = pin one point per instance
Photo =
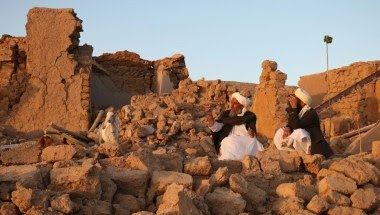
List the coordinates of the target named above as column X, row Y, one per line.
column 119, row 76
column 57, row 72
column 13, row 74
column 270, row 100
column 358, row 109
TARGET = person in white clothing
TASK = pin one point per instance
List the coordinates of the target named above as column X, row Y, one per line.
column 303, row 131
column 234, row 132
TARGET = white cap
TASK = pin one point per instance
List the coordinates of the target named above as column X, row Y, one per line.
column 303, row 96
column 241, row 99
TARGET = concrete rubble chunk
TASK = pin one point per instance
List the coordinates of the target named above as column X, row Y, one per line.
column 250, row 165
column 296, row 189
column 81, row 181
column 171, row 162
column 365, row 199
column 111, row 149
column 132, row 182
column 8, row 208
column 202, row 186
column 339, row 210
column 198, row 166
column 328, row 172
column 220, row 177
column 288, row 205
column 335, row 198
column 30, row 176
column 143, row 213
column 143, row 160
column 317, row 205
column 58, row 153
column 109, row 188
column 23, row 153
column 26, row 199
column 357, row 169
column 161, row 179
column 233, row 166
column 128, row 202
column 340, row 184
column 250, row 192
column 313, row 163
column 224, row 201
column 176, row 200
column 289, row 161
column 64, row 204
column 94, row 206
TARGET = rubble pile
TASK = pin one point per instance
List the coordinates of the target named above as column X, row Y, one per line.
column 165, row 163
column 155, row 155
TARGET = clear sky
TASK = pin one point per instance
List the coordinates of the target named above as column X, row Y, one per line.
column 225, row 40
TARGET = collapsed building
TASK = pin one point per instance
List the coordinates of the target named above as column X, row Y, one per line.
column 165, row 160
column 46, row 77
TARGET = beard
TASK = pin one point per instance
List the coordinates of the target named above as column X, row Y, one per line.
column 234, row 113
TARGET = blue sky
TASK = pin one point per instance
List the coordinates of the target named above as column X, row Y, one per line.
column 225, row 40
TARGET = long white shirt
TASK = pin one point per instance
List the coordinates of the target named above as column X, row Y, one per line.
column 238, row 143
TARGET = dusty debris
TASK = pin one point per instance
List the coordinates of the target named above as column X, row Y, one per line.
column 154, row 154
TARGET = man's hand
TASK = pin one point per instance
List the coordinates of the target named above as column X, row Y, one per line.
column 251, row 133
column 287, row 132
column 293, row 101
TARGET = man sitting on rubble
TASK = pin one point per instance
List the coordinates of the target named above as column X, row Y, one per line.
column 303, row 131
column 234, row 133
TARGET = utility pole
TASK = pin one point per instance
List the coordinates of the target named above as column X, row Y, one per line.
column 327, row 40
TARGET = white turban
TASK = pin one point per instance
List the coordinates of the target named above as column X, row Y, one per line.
column 303, row 96
column 241, row 99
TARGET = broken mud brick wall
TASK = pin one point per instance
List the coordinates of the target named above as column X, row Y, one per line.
column 47, row 77
column 270, row 100
column 13, row 74
column 121, row 75
column 361, row 106
column 53, row 84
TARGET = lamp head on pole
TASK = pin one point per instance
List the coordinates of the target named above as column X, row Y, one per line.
column 328, row 39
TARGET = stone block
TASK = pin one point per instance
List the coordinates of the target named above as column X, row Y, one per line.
column 358, row 169
column 23, row 153
column 132, row 182
column 365, row 199
column 224, row 201
column 337, row 183
column 64, row 204
column 58, row 153
column 339, row 210
column 233, row 166
column 81, row 181
column 161, row 179
column 198, row 166
column 335, row 198
column 288, row 205
column 317, row 205
column 220, row 177
column 291, row 190
column 250, row 192
column 177, row 200
column 29, row 176
column 26, row 198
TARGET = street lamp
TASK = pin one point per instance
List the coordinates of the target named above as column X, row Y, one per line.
column 327, row 40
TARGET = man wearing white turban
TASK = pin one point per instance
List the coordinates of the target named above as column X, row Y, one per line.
column 303, row 131
column 234, row 132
